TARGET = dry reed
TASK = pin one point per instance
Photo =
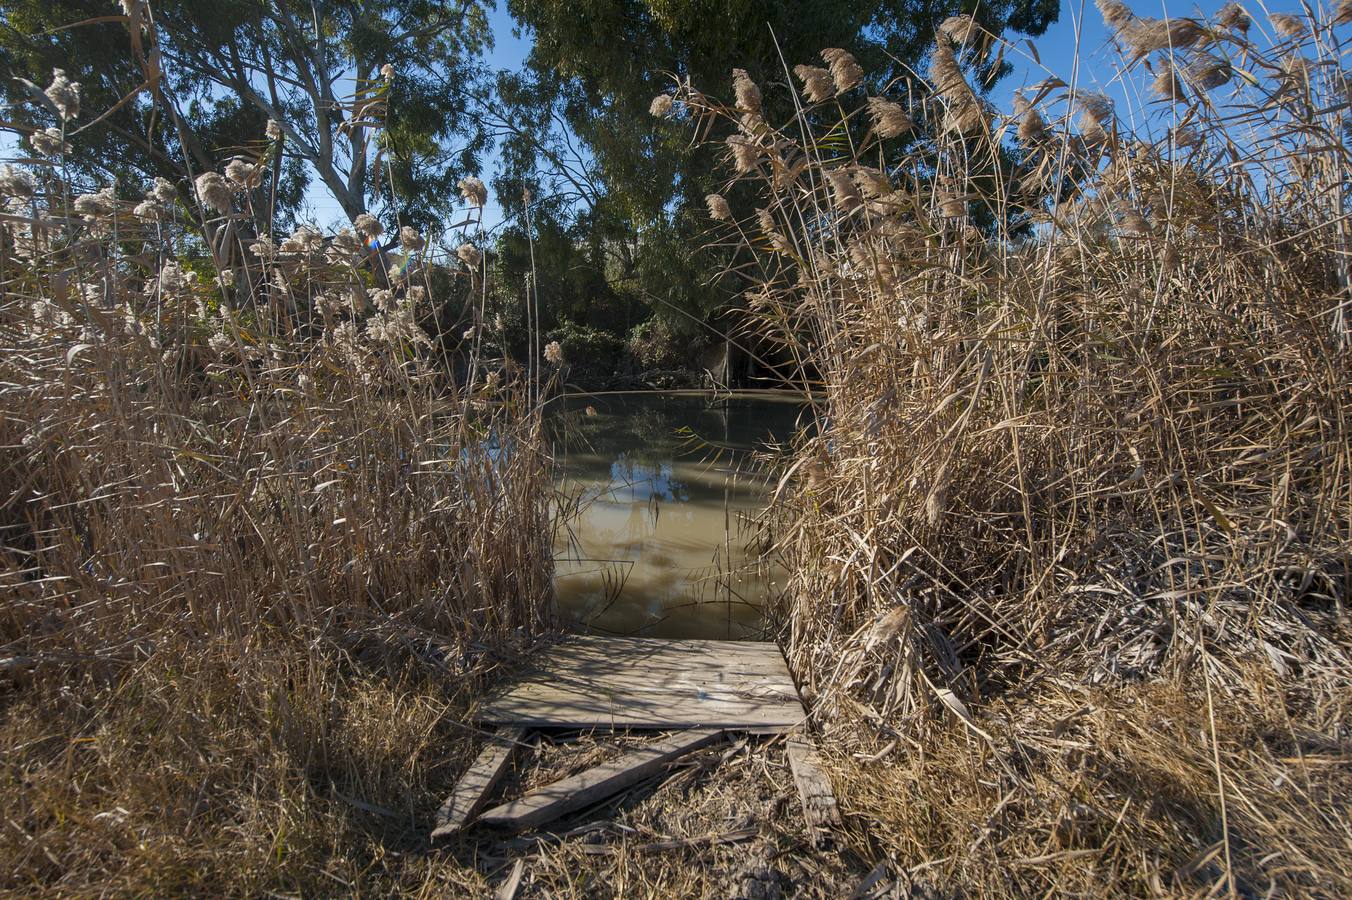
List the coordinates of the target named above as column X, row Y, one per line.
column 1070, row 549
column 257, row 546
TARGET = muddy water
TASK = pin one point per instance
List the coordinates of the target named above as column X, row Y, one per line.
column 665, row 487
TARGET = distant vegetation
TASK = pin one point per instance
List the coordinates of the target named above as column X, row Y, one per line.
column 619, row 262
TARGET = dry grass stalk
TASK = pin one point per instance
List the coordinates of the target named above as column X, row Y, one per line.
column 256, row 545
column 1076, row 532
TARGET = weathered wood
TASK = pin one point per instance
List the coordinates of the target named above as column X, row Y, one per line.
column 597, row 783
column 590, row 682
column 814, row 789
column 473, row 788
column 507, row 890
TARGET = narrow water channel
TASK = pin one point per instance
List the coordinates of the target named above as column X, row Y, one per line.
column 662, row 490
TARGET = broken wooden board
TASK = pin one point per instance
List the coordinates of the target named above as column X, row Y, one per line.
column 473, row 788
column 598, row 682
column 814, row 789
column 597, row 783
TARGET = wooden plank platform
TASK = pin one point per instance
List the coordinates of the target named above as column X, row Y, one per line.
column 475, row 785
column 814, row 789
column 599, row 782
column 599, row 682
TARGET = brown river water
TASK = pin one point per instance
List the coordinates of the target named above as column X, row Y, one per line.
column 664, row 489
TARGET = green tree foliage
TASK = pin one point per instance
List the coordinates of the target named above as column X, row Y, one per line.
column 597, row 64
column 228, row 66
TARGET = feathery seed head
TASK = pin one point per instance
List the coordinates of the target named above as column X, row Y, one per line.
column 770, row 229
column 747, row 93
column 303, row 240
column 1096, row 115
column 962, row 109
column 845, row 71
column 817, row 83
column 381, row 298
column 474, row 192
column 889, row 119
column 243, row 174
column 470, row 256
column 64, row 94
column 872, row 183
column 1115, row 14
column 48, row 142
column 368, row 225
column 1234, row 17
column 959, row 30
column 844, row 192
column 16, row 183
column 554, row 353
column 163, row 191
column 660, row 106
column 745, row 153
column 1145, row 36
column 1167, row 84
column 343, row 247
column 1287, row 25
column 149, row 210
column 751, row 124
column 765, row 219
column 214, row 192
column 1031, row 125
column 1208, row 72
column 718, row 207
column 410, row 240
column 96, row 206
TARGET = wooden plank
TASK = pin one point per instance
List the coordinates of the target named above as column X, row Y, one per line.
column 622, row 669
column 658, row 651
column 473, row 788
column 755, row 692
column 568, row 707
column 599, row 782
column 814, row 789
column 671, row 646
column 507, row 890
column 657, row 666
column 591, row 682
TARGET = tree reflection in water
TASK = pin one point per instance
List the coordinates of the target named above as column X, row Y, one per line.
column 662, row 490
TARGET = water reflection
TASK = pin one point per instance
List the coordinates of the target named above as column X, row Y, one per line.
column 664, row 489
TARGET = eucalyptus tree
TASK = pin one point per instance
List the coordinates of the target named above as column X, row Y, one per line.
column 596, row 65
column 374, row 98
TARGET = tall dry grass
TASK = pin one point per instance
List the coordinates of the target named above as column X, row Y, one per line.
column 257, row 544
column 1070, row 551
